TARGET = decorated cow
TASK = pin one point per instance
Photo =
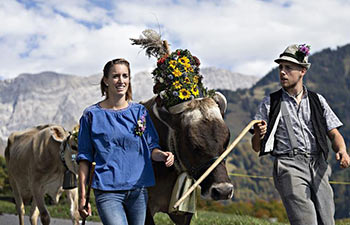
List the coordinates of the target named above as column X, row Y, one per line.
column 189, row 121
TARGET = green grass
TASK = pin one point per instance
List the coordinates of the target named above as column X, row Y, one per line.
column 202, row 217
column 214, row 218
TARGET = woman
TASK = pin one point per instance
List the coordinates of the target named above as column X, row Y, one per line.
column 120, row 137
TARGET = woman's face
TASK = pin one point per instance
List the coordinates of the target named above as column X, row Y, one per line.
column 118, row 80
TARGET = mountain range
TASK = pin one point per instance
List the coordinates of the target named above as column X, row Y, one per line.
column 48, row 97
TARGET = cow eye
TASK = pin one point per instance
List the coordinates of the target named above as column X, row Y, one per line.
column 74, row 148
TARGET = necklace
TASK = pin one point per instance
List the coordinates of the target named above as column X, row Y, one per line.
column 295, row 96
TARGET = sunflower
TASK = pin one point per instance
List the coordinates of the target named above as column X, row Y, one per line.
column 184, row 94
column 188, row 67
column 177, row 84
column 196, row 79
column 172, row 63
column 177, row 72
column 195, row 90
column 184, row 60
column 187, row 80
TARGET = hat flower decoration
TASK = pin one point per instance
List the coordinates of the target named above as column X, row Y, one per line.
column 302, row 52
column 176, row 77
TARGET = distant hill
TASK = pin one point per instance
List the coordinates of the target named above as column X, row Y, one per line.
column 48, row 97
column 215, row 78
column 329, row 75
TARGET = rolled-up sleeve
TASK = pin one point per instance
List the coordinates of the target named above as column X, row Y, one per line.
column 263, row 110
column 331, row 119
column 151, row 134
column 84, row 140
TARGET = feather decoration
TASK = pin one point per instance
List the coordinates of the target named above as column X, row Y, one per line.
column 152, row 42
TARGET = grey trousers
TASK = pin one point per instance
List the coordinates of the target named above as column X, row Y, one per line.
column 303, row 184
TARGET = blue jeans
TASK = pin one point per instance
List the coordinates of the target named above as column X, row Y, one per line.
column 122, row 207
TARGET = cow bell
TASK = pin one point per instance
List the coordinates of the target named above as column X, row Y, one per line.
column 69, row 180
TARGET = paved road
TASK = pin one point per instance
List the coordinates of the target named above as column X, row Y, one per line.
column 9, row 219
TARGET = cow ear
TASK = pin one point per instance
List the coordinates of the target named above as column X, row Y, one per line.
column 58, row 133
column 220, row 99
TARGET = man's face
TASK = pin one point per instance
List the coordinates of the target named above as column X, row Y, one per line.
column 291, row 74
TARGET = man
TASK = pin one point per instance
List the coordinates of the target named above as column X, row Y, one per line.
column 295, row 123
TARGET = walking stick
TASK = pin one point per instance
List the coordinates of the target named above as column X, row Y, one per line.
column 91, row 174
column 212, row 167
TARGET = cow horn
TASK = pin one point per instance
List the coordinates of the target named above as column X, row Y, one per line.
column 179, row 108
column 163, row 115
column 220, row 99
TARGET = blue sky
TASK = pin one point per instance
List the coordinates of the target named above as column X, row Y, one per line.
column 79, row 36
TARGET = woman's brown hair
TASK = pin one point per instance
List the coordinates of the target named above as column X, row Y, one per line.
column 106, row 69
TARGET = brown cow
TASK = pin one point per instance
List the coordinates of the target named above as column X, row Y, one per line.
column 34, row 159
column 197, row 134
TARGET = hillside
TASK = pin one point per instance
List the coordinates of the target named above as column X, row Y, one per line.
column 329, row 75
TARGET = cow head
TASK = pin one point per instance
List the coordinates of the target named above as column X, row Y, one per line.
column 198, row 135
column 69, row 147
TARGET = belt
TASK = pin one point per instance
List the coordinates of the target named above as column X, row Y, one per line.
column 295, row 152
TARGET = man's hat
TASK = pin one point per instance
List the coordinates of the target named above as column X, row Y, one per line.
column 297, row 54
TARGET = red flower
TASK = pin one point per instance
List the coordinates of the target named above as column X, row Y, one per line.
column 162, row 60
column 196, row 60
column 178, row 53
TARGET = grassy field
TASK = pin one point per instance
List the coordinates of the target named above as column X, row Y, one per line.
column 202, row 217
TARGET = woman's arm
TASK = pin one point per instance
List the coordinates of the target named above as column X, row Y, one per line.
column 83, row 174
column 160, row 156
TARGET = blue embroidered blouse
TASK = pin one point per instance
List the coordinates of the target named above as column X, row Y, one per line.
column 123, row 158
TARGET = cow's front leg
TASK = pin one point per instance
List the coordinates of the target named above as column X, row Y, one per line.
column 181, row 219
column 73, row 200
column 38, row 195
column 34, row 213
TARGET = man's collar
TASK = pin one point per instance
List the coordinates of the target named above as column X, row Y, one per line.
column 291, row 96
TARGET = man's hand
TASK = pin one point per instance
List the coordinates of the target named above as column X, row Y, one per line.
column 260, row 128
column 344, row 158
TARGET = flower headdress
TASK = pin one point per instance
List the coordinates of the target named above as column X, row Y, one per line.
column 176, row 77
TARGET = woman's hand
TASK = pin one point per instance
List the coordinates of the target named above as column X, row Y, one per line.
column 160, row 156
column 82, row 210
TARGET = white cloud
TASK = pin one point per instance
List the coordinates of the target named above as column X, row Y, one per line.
column 79, row 37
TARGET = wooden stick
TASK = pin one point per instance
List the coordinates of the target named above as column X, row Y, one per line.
column 212, row 167
column 91, row 174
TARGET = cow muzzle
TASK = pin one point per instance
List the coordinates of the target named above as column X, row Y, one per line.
column 221, row 191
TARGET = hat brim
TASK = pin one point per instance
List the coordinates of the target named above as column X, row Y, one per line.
column 290, row 59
